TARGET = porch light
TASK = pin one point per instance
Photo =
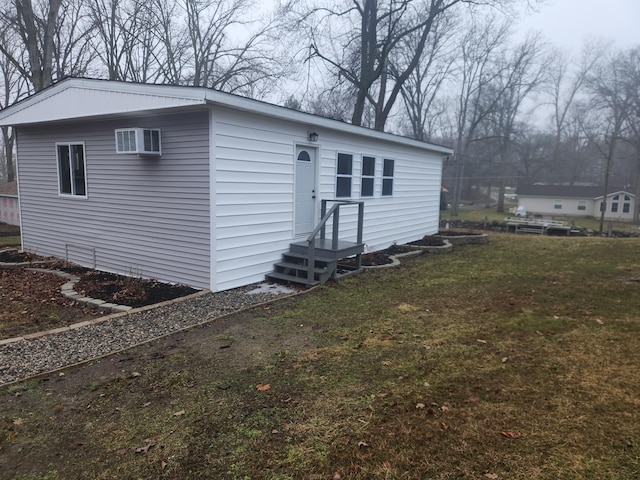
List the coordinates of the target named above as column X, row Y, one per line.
column 313, row 137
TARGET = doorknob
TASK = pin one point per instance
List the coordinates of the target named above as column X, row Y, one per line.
column 313, row 194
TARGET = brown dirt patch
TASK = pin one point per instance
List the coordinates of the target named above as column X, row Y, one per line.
column 14, row 256
column 32, row 301
column 429, row 241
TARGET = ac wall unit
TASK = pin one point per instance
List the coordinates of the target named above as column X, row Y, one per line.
column 141, row 141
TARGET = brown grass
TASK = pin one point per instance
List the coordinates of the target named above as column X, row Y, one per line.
column 427, row 371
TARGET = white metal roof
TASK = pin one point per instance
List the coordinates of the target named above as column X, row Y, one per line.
column 77, row 98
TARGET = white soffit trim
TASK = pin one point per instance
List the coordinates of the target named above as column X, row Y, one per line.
column 83, row 98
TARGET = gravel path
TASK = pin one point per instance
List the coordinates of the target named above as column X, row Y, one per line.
column 26, row 358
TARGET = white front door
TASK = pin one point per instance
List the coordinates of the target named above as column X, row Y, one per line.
column 305, row 193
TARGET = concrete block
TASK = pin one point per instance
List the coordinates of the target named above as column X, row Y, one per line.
column 120, row 308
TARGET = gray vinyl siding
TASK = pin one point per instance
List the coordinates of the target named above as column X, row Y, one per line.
column 147, row 216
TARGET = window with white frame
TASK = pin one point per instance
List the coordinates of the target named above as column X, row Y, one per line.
column 626, row 206
column 582, row 205
column 557, row 204
column 368, row 176
column 72, row 178
column 614, row 203
column 344, row 173
column 387, row 177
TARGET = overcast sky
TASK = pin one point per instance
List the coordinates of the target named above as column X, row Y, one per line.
column 567, row 23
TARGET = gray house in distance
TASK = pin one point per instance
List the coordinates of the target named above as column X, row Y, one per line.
column 194, row 186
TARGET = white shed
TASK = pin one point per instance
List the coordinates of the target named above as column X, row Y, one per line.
column 195, row 186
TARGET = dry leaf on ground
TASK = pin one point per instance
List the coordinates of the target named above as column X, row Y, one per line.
column 263, row 388
column 144, row 449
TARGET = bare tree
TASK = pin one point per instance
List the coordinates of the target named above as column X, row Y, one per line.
column 609, row 107
column 565, row 85
column 72, row 51
column 13, row 86
column 522, row 70
column 420, row 93
column 474, row 100
column 630, row 71
column 54, row 35
column 124, row 43
column 36, row 30
column 361, row 41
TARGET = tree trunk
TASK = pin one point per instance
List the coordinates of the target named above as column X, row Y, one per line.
column 459, row 159
column 636, row 206
column 8, row 138
column 501, row 191
column 607, row 173
column 39, row 38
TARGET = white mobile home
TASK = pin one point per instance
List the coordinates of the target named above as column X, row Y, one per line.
column 194, row 186
column 577, row 201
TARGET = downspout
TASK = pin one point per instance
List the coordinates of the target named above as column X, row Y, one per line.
column 18, row 185
column 213, row 286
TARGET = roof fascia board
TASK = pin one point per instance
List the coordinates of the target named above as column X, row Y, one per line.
column 616, row 193
column 190, row 96
column 200, row 95
column 283, row 113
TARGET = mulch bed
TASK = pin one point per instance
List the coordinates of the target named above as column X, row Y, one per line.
column 112, row 288
column 131, row 291
column 381, row 257
column 449, row 233
column 429, row 241
column 14, row 256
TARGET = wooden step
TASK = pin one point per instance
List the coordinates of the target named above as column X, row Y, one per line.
column 282, row 277
column 302, row 259
column 324, row 248
column 300, row 267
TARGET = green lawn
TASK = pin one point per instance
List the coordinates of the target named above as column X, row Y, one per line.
column 10, row 241
column 513, row 360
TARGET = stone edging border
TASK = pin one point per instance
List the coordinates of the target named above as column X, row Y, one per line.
column 68, row 291
column 123, row 310
column 149, row 340
column 395, row 259
column 395, row 262
column 94, row 321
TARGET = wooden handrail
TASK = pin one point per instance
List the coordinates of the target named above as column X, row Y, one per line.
column 321, row 228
